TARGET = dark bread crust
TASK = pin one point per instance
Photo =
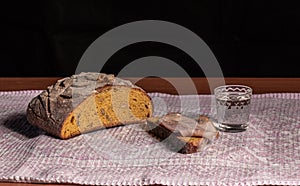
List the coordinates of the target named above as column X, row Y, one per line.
column 46, row 113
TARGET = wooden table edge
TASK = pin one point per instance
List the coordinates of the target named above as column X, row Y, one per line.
column 168, row 85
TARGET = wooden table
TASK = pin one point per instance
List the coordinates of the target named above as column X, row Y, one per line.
column 259, row 85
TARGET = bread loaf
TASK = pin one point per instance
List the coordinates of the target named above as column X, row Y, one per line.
column 181, row 133
column 87, row 102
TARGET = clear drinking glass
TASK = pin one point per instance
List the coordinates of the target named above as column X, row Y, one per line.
column 233, row 107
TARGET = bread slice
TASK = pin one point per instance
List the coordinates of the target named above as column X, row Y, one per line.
column 88, row 102
column 183, row 134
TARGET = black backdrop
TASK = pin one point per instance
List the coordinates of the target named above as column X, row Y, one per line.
column 250, row 38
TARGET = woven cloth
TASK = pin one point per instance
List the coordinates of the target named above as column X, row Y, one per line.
column 267, row 153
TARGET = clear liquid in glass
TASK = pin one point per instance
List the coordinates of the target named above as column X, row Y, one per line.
column 233, row 110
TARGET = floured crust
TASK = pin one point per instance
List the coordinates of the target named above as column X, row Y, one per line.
column 56, row 109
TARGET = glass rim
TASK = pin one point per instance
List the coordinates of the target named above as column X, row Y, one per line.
column 249, row 90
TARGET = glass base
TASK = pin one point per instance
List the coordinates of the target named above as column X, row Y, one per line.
column 231, row 128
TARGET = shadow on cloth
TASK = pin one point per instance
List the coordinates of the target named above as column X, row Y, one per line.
column 18, row 123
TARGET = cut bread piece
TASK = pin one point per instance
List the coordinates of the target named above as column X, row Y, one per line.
column 88, row 102
column 181, row 133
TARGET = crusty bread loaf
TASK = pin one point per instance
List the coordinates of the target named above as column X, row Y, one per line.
column 183, row 134
column 87, row 102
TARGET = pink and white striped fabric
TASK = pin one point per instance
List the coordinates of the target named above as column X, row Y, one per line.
column 267, row 153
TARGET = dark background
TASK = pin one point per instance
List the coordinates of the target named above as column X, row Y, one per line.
column 250, row 38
